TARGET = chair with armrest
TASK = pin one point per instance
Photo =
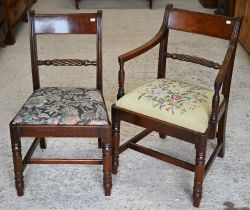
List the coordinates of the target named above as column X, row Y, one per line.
column 179, row 109
column 63, row 111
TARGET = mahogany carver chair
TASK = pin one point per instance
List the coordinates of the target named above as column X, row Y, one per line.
column 63, row 111
column 78, row 1
column 179, row 109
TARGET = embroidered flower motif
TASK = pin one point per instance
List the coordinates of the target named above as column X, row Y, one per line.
column 163, row 86
column 174, row 96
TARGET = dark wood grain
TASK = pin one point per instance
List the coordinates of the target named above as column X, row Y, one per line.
column 208, row 24
column 62, row 24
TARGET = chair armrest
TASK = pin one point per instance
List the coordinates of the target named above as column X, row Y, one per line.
column 228, row 61
column 226, row 65
column 142, row 49
column 134, row 53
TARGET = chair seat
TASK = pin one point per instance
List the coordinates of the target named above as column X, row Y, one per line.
column 175, row 102
column 63, row 106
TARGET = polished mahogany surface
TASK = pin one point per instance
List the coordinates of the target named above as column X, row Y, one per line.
column 187, row 21
column 65, row 24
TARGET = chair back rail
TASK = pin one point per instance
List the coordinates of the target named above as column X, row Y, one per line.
column 66, row 62
column 80, row 23
column 200, row 23
column 65, row 24
column 194, row 59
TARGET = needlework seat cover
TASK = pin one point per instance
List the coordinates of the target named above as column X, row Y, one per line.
column 175, row 102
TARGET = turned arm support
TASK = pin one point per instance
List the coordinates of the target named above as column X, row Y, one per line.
column 133, row 54
column 159, row 37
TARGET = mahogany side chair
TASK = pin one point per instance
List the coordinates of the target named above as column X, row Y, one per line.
column 63, row 111
column 185, row 111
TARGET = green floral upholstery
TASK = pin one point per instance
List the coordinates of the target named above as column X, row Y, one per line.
column 63, row 106
column 176, row 102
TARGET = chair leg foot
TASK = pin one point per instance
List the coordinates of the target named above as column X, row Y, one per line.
column 199, row 171
column 20, row 189
column 99, row 143
column 162, row 136
column 17, row 160
column 43, row 143
column 114, row 170
column 107, row 165
column 108, row 192
column 221, row 153
column 196, row 201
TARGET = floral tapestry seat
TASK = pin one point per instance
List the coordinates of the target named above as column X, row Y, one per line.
column 63, row 106
column 175, row 102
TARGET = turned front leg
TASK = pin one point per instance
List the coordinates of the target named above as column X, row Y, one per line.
column 17, row 161
column 115, row 142
column 199, row 172
column 107, row 165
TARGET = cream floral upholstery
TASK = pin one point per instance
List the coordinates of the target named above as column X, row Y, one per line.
column 176, row 102
column 63, row 106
